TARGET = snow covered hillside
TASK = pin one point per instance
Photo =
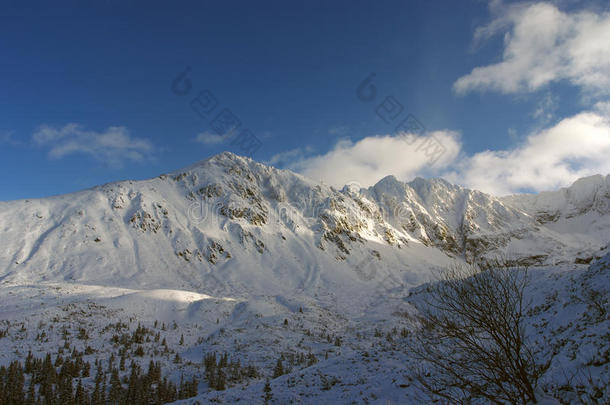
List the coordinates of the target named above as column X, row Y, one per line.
column 232, row 226
column 232, row 256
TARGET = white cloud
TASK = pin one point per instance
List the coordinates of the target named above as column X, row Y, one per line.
column 372, row 158
column 112, row 146
column 289, row 157
column 603, row 107
column 575, row 147
column 546, row 159
column 208, row 138
column 543, row 45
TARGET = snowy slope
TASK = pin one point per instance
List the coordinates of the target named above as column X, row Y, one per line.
column 233, row 226
column 576, row 215
column 227, row 226
column 249, row 259
column 563, row 324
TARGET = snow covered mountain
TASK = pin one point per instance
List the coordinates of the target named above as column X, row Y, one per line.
column 258, row 262
column 229, row 225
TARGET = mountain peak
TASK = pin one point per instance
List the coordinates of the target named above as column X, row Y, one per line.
column 226, row 155
column 589, row 184
column 222, row 159
column 389, row 181
column 420, row 182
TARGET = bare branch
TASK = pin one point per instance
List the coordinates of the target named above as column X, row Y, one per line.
column 472, row 341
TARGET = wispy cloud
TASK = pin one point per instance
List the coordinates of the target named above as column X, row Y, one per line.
column 545, row 108
column 208, row 138
column 290, row 157
column 113, row 146
column 543, row 45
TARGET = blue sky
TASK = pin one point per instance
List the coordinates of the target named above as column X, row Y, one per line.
column 515, row 94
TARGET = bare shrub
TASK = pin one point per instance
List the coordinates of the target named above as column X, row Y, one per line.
column 472, row 340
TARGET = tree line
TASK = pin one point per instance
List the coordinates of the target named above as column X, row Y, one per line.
column 46, row 381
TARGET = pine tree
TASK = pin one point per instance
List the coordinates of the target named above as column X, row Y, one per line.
column 96, row 396
column 64, row 386
column 111, row 363
column 154, row 372
column 31, row 395
column 133, row 384
column 14, row 385
column 115, row 395
column 29, row 363
column 209, row 362
column 104, row 389
column 220, row 380
column 85, row 370
column 224, row 360
column 267, row 394
column 279, row 369
column 80, row 397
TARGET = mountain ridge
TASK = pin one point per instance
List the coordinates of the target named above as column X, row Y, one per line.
column 202, row 227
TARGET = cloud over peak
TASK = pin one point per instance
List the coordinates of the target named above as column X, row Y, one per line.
column 575, row 147
column 370, row 159
column 555, row 156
